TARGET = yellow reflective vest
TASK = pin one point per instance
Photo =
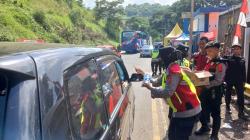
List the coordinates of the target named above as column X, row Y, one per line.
column 155, row 54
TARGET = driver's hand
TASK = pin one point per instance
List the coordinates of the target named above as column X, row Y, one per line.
column 139, row 71
column 147, row 85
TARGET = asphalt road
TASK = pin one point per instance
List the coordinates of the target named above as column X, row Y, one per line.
column 151, row 119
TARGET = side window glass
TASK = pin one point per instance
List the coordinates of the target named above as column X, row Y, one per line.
column 87, row 109
column 120, row 72
column 111, row 85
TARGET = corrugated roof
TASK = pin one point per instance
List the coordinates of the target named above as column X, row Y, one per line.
column 205, row 10
column 233, row 8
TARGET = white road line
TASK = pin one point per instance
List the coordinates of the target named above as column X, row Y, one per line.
column 155, row 122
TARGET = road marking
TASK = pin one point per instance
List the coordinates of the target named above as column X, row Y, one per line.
column 156, row 132
column 164, row 116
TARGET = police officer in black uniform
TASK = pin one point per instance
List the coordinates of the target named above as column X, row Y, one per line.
column 211, row 97
column 236, row 77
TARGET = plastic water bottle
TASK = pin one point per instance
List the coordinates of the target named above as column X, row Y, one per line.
column 147, row 78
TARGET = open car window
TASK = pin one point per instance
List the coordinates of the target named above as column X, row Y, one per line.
column 86, row 104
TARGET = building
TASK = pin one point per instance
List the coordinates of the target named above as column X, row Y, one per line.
column 227, row 23
column 206, row 23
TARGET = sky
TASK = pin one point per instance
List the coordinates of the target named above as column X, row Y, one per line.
column 91, row 3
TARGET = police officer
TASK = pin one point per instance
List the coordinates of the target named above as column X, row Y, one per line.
column 211, row 97
column 179, row 91
column 155, row 62
column 236, row 77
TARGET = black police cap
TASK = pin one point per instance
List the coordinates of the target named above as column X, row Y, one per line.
column 213, row 45
column 183, row 48
column 204, row 39
column 166, row 52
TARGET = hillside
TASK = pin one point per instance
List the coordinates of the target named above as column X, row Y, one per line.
column 55, row 21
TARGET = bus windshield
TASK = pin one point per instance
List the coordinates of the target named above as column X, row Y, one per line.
column 127, row 36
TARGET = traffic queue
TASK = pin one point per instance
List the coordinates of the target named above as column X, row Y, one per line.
column 190, row 102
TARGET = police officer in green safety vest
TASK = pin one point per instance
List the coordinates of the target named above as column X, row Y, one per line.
column 156, row 61
column 180, row 93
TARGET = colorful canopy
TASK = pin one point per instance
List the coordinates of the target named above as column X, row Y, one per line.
column 175, row 33
column 183, row 37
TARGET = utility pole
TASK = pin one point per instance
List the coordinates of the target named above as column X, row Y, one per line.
column 191, row 27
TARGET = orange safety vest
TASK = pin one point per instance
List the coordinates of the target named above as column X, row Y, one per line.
column 184, row 102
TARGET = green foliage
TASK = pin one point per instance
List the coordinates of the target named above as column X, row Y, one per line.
column 138, row 23
column 57, row 21
column 163, row 18
column 111, row 11
column 144, row 10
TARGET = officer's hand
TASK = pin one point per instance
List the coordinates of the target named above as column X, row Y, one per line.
column 147, row 85
column 139, row 71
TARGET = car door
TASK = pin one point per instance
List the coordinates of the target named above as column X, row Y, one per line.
column 112, row 92
column 127, row 108
column 87, row 112
column 115, row 85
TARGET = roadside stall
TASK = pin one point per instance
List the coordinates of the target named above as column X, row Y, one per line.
column 174, row 34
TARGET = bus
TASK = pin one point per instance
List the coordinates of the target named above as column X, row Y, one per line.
column 132, row 41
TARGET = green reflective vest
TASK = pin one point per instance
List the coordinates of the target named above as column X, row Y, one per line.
column 186, row 63
column 155, row 54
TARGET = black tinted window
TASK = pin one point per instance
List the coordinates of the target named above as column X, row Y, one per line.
column 86, row 102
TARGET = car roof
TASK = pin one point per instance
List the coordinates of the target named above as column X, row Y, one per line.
column 57, row 54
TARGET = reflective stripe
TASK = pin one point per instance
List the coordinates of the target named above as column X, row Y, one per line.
column 190, row 84
column 186, row 63
column 177, row 96
column 169, row 101
column 164, row 79
column 82, row 112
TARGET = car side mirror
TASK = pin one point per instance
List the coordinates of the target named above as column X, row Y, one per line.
column 136, row 77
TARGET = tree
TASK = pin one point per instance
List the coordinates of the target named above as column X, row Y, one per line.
column 112, row 12
column 217, row 3
column 138, row 23
column 80, row 3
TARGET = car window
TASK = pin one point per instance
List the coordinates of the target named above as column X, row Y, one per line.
column 120, row 72
column 111, row 85
column 123, row 74
column 88, row 117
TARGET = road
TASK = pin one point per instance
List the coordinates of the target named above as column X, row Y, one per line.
column 151, row 119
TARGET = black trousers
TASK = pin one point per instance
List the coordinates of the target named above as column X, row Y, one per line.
column 155, row 66
column 181, row 128
column 211, row 100
column 240, row 95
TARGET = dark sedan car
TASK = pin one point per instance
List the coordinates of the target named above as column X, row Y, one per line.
column 67, row 93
